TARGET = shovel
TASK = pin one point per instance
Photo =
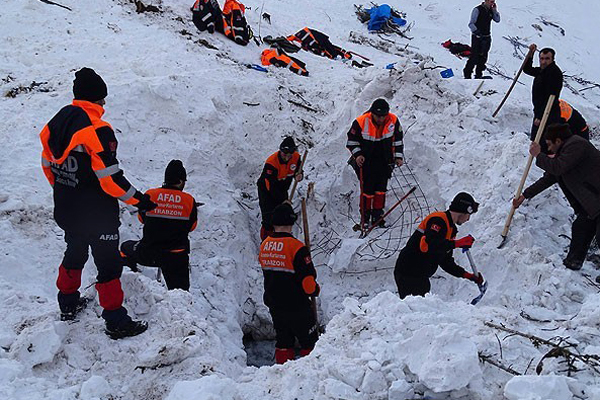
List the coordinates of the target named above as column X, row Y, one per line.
column 483, row 286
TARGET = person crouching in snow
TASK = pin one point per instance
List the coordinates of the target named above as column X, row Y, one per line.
column 165, row 243
column 431, row 245
column 289, row 280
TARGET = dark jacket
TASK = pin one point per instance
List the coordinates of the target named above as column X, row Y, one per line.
column 577, row 166
column 481, row 20
column 546, row 81
column 378, row 144
column 79, row 158
column 430, row 246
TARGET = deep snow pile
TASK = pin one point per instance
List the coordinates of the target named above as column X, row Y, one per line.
column 170, row 97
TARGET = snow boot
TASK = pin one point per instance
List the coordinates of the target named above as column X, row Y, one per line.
column 70, row 312
column 375, row 216
column 572, row 264
column 467, row 74
column 126, row 329
column 283, row 355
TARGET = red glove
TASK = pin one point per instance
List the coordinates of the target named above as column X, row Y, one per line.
column 478, row 279
column 465, row 242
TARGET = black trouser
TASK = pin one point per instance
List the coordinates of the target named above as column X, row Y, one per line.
column 375, row 177
column 582, row 233
column 296, row 323
column 480, row 47
column 411, row 285
column 175, row 266
column 105, row 251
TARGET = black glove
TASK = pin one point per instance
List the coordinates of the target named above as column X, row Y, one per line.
column 317, row 290
column 145, row 204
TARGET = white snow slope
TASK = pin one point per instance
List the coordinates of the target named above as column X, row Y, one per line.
column 172, row 97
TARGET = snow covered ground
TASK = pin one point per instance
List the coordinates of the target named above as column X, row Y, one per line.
column 172, row 97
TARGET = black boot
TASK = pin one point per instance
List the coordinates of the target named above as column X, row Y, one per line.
column 70, row 312
column 375, row 218
column 366, row 219
column 126, row 329
column 120, row 325
column 573, row 264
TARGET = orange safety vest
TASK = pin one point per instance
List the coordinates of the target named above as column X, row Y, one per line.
column 171, row 204
column 232, row 5
column 423, row 245
column 284, row 171
column 566, row 111
column 278, row 253
column 374, row 133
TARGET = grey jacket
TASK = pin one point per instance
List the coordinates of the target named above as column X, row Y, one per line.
column 577, row 166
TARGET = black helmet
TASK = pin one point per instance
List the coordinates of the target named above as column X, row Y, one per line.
column 464, row 203
column 380, row 107
column 288, row 145
column 284, row 215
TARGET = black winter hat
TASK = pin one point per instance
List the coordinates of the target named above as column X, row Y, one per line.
column 284, row 215
column 288, row 145
column 175, row 172
column 88, row 85
column 380, row 107
column 464, row 203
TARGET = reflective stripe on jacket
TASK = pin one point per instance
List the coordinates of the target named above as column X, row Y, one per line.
column 372, row 141
column 79, row 159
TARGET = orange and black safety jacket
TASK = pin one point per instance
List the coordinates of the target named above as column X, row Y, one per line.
column 290, row 276
column 235, row 26
column 317, row 42
column 577, row 123
column 79, row 159
column 383, row 143
column 430, row 246
column 276, row 178
column 167, row 226
column 279, row 58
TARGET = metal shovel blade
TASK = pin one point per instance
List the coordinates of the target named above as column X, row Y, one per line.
column 482, row 290
column 503, row 242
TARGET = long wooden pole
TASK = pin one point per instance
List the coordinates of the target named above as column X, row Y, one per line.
column 298, row 171
column 538, row 136
column 514, row 82
column 313, row 299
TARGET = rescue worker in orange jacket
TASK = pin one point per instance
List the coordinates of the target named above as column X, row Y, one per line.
column 207, row 16
column 79, row 158
column 290, row 278
column 235, row 26
column 431, row 245
column 571, row 116
column 275, row 180
column 165, row 243
column 318, row 43
column 279, row 58
column 376, row 143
